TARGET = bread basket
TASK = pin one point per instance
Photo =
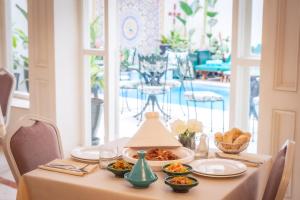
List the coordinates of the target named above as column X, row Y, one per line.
column 231, row 148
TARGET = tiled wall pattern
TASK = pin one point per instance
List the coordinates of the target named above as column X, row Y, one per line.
column 146, row 13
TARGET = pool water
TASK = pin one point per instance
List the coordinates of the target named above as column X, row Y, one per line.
column 223, row 91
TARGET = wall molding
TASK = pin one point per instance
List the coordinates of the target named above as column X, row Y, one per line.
column 283, row 128
column 286, row 65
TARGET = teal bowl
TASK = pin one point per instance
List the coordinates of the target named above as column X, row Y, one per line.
column 118, row 172
column 139, row 184
column 169, row 173
column 180, row 187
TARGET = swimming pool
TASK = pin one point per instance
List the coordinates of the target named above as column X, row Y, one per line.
column 221, row 90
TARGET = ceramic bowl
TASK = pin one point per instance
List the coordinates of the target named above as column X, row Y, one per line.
column 138, row 183
column 181, row 188
column 170, row 173
column 118, row 172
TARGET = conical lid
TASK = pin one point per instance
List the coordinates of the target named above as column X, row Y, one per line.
column 141, row 172
column 153, row 133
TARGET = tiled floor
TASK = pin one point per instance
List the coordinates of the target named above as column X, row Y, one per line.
column 6, row 192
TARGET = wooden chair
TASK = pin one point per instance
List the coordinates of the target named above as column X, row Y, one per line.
column 281, row 172
column 7, row 85
column 31, row 142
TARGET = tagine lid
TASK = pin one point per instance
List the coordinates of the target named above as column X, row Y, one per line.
column 153, row 133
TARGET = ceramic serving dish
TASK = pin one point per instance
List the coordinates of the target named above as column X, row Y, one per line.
column 118, row 172
column 141, row 175
column 181, row 188
column 176, row 173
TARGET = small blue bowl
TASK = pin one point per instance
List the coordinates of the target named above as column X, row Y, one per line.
column 139, row 184
column 181, row 188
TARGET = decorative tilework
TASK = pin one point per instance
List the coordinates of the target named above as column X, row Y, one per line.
column 146, row 15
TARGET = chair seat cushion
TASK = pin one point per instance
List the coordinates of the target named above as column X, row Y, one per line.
column 202, row 96
column 147, row 89
column 173, row 83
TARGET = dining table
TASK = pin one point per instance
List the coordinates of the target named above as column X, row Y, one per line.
column 101, row 184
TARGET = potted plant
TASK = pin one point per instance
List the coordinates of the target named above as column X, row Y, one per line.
column 20, row 59
column 97, row 84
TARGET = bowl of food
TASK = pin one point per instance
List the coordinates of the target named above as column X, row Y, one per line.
column 176, row 169
column 181, row 183
column 158, row 157
column 120, row 167
column 233, row 141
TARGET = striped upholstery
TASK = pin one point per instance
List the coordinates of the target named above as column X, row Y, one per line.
column 202, row 96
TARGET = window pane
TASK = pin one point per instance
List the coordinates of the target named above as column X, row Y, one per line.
column 96, row 69
column 19, row 43
column 256, row 31
column 95, row 22
column 210, row 33
column 254, row 76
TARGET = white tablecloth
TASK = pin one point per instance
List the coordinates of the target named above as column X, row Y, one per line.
column 101, row 184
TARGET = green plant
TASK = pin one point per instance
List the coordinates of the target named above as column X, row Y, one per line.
column 20, row 59
column 94, row 32
column 189, row 10
column 124, row 59
column 97, row 70
column 219, row 47
column 176, row 41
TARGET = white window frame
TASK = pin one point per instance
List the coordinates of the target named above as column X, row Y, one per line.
column 109, row 53
column 6, row 49
column 241, row 59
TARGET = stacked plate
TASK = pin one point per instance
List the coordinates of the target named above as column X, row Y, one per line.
column 86, row 154
column 218, row 168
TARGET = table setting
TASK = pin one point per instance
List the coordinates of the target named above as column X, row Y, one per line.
column 144, row 167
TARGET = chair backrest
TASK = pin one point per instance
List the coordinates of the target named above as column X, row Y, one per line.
column 280, row 173
column 152, row 68
column 7, row 85
column 31, row 142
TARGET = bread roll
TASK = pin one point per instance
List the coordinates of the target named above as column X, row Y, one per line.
column 228, row 137
column 235, row 133
column 242, row 139
column 218, row 137
column 247, row 134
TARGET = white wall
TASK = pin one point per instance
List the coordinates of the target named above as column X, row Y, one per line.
column 67, row 67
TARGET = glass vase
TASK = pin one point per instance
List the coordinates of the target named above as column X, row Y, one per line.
column 187, row 140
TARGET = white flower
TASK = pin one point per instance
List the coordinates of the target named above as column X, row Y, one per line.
column 178, row 127
column 194, row 126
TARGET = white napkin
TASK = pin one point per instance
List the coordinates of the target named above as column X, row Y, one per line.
column 69, row 167
column 248, row 158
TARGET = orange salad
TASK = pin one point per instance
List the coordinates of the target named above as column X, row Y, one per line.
column 181, row 180
column 122, row 165
column 177, row 167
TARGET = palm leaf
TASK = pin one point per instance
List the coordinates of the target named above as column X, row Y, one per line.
column 24, row 13
column 183, row 21
column 186, row 8
column 211, row 13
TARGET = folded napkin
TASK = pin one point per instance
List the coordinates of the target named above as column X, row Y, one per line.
column 69, row 167
column 252, row 160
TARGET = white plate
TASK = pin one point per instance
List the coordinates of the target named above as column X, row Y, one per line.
column 86, row 153
column 91, row 154
column 218, row 167
column 186, row 155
